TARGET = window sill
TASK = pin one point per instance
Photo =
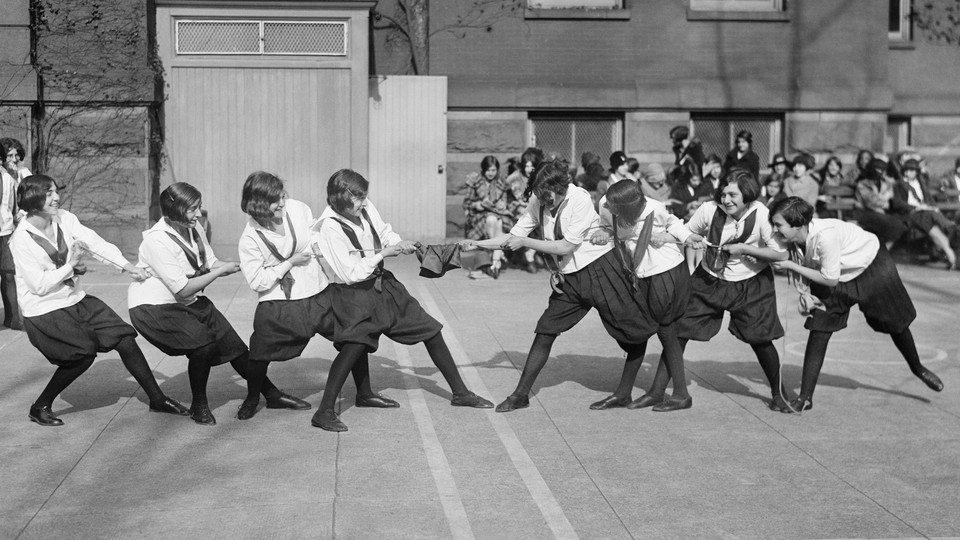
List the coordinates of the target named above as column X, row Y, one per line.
column 902, row 45
column 757, row 16
column 593, row 14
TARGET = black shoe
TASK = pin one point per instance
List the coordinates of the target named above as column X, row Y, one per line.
column 930, row 379
column 674, row 404
column 646, row 400
column 378, row 401
column 779, row 404
column 802, row 404
column 44, row 416
column 328, row 420
column 247, row 409
column 201, row 414
column 169, row 406
column 611, row 402
column 470, row 400
column 513, row 403
column 286, row 401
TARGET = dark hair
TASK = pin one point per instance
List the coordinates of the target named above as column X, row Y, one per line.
column 713, row 158
column 177, row 199
column 679, row 133
column 487, row 162
column 862, row 153
column 774, row 177
column 534, row 156
column 893, row 170
column 745, row 135
column 824, row 171
column 587, row 158
column 795, row 211
column 626, row 201
column 632, row 165
column 744, row 180
column 32, row 192
column 552, row 176
column 7, row 144
column 343, row 186
column 260, row 191
column 687, row 171
column 513, row 163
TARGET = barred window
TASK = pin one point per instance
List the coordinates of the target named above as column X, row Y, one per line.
column 254, row 37
column 570, row 136
column 574, row 4
column 736, row 5
column 718, row 134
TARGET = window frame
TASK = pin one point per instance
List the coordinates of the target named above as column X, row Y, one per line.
column 905, row 34
column 736, row 5
column 617, row 132
column 261, row 23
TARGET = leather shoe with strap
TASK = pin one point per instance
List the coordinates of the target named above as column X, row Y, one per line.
column 44, row 416
column 169, row 406
column 286, row 401
column 930, row 379
column 247, row 409
column 378, row 401
column 470, row 400
column 513, row 403
column 201, row 414
column 802, row 404
column 328, row 420
column 780, row 404
column 611, row 402
column 674, row 403
column 644, row 401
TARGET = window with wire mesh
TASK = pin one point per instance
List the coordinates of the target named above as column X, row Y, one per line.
column 321, row 38
column 569, row 138
column 718, row 134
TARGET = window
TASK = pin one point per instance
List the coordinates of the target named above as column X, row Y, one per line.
column 736, row 5
column 898, row 134
column 252, row 37
column 899, row 20
column 718, row 134
column 574, row 4
column 569, row 136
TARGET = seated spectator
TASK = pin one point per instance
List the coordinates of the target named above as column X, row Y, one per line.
column 872, row 211
column 742, row 156
column 832, row 180
column 586, row 159
column 653, row 184
column 912, row 201
column 779, row 165
column 633, row 169
column 489, row 207
column 858, row 171
column 947, row 188
column 618, row 167
column 774, row 190
column 689, row 191
column 801, row 183
column 712, row 171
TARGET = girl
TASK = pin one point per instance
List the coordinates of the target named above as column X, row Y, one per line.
column 802, row 182
column 913, row 201
column 846, row 266
column 489, row 207
column 371, row 302
column 519, row 182
column 170, row 310
column 585, row 276
column 10, row 176
column 295, row 302
column 874, row 195
column 659, row 278
column 68, row 326
column 742, row 156
column 732, row 279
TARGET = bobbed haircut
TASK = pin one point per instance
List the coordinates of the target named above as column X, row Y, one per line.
column 532, row 155
column 32, row 192
column 487, row 162
column 795, row 211
column 7, row 144
column 713, row 158
column 553, row 175
column 626, row 201
column 260, row 191
column 744, row 180
column 343, row 186
column 177, row 199
column 745, row 135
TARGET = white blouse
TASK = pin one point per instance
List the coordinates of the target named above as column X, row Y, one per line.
column 169, row 263
column 578, row 221
column 263, row 270
column 336, row 248
column 8, row 193
column 658, row 259
column 40, row 284
column 737, row 268
column 839, row 250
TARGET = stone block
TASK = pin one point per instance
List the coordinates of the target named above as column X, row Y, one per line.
column 814, row 134
column 486, row 136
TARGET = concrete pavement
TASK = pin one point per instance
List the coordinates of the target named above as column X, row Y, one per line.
column 878, row 456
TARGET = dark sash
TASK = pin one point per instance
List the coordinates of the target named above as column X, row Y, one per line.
column 556, row 278
column 623, row 252
column 286, row 281
column 715, row 258
column 59, row 254
column 199, row 267
column 377, row 244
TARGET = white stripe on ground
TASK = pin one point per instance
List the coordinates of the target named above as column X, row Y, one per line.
column 436, row 459
column 542, row 496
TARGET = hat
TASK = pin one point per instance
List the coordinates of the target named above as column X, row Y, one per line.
column 911, row 164
column 679, row 133
column 654, row 173
column 806, row 160
column 617, row 159
column 779, row 159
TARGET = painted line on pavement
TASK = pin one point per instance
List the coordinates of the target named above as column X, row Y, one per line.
column 536, row 485
column 436, row 459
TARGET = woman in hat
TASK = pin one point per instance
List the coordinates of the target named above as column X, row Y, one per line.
column 742, row 156
column 873, row 196
column 914, row 203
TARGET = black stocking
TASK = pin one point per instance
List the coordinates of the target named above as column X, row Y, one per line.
column 769, row 360
column 133, row 359
column 256, row 375
column 908, row 348
column 440, row 354
column 198, row 370
column 349, row 355
column 673, row 358
column 813, row 361
column 361, row 375
column 536, row 359
column 61, row 380
column 11, row 310
column 631, row 366
column 662, row 377
column 242, row 367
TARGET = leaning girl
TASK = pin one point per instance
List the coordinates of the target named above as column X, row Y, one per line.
column 370, row 302
column 170, row 310
column 295, row 302
column 68, row 326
